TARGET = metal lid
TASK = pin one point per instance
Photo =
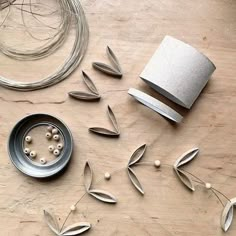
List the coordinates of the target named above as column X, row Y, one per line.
column 16, row 146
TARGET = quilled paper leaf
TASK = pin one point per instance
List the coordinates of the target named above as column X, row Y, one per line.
column 76, row 229
column 88, row 176
column 186, row 157
column 134, row 180
column 137, row 155
column 103, row 196
column 104, row 131
column 91, row 86
column 113, row 119
column 106, row 69
column 51, row 222
column 185, row 179
column 113, row 59
column 84, row 96
column 227, row 214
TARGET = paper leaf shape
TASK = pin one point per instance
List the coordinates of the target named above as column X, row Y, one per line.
column 186, row 157
column 76, row 229
column 134, row 180
column 103, row 196
column 51, row 222
column 185, row 179
column 106, row 69
column 84, row 96
column 113, row 119
column 227, row 214
column 91, row 86
column 137, row 155
column 113, row 59
column 107, row 132
column 88, row 176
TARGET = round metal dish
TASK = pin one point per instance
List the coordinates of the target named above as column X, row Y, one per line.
column 22, row 161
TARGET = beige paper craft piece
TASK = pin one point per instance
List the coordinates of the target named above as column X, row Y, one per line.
column 178, row 71
column 228, row 214
column 155, row 105
column 107, row 132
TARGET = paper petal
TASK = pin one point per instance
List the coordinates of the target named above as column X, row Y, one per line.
column 113, row 59
column 185, row 179
column 88, row 176
column 227, row 214
column 76, row 229
column 137, row 155
column 186, row 157
column 91, row 86
column 84, row 96
column 134, row 180
column 103, row 196
column 51, row 222
column 113, row 119
column 103, row 131
column 106, row 69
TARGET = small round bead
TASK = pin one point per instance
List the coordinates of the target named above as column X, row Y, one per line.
column 28, row 139
column 27, row 151
column 157, row 163
column 55, row 131
column 51, row 148
column 208, row 185
column 56, row 152
column 107, row 175
column 60, row 146
column 33, row 154
column 73, row 208
column 43, row 161
column 49, row 128
column 56, row 137
column 48, row 135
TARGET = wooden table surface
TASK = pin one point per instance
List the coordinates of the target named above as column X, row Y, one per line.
column 133, row 29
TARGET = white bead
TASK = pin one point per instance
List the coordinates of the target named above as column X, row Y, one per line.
column 43, row 161
column 55, row 131
column 27, row 151
column 33, row 154
column 48, row 135
column 56, row 137
column 56, row 152
column 107, row 175
column 28, row 139
column 157, row 163
column 208, row 185
column 50, row 128
column 51, row 148
column 73, row 208
column 60, row 146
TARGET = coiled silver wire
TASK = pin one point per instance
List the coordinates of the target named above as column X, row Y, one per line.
column 69, row 7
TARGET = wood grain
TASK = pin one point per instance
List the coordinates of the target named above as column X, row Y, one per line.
column 133, row 29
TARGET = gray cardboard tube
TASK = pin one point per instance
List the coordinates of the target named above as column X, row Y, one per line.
column 178, row 71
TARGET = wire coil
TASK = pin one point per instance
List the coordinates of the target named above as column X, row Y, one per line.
column 69, row 8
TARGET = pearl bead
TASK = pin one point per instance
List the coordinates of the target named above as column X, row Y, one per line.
column 107, row 175
column 73, row 208
column 51, row 148
column 60, row 146
column 55, row 131
column 43, row 161
column 28, row 139
column 157, row 163
column 48, row 135
column 56, row 152
column 33, row 154
column 50, row 128
column 27, row 151
column 208, row 185
column 56, row 137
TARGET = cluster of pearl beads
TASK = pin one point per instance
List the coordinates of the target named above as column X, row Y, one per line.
column 27, row 151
